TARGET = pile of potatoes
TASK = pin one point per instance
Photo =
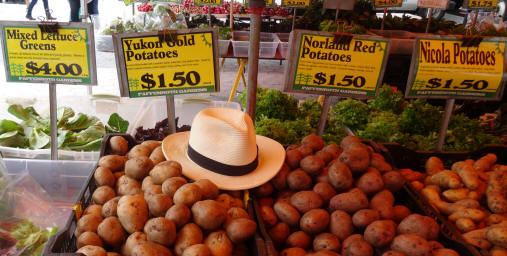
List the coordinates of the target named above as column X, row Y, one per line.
column 143, row 206
column 330, row 200
column 472, row 194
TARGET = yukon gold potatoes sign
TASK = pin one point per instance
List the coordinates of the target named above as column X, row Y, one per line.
column 181, row 62
column 319, row 63
column 33, row 56
column 445, row 68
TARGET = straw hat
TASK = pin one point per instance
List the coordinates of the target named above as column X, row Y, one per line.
column 222, row 147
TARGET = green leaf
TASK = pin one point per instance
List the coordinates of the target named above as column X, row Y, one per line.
column 38, row 139
column 8, row 126
column 63, row 114
column 91, row 133
column 79, row 146
column 29, row 115
column 116, row 124
column 63, row 136
column 80, row 122
column 13, row 139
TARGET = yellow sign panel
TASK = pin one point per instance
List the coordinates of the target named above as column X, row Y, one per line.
column 295, row 3
column 207, row 2
column 268, row 2
column 480, row 4
column 326, row 67
column 33, row 56
column 180, row 66
column 444, row 68
column 387, row 3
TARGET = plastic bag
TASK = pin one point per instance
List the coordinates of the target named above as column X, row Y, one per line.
column 4, row 181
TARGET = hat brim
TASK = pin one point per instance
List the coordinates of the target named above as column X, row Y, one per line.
column 271, row 156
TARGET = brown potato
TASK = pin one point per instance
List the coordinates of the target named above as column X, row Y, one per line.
column 111, row 232
column 422, row 226
column 324, row 253
column 299, row 180
column 325, row 156
column 208, row 189
column 400, row 212
column 159, row 204
column 412, row 245
column 112, row 254
column 151, row 144
column 209, row 215
column 383, row 202
column 279, row 182
column 292, row 158
column 349, row 140
column 138, row 168
column 117, row 175
column 170, row 185
column 189, row 235
column 356, row 246
column 284, row 196
column 326, row 241
column 157, row 156
column 197, row 250
column 114, row 163
column 268, row 216
column 118, row 145
column 147, row 182
column 88, row 238
column 293, row 252
column 153, row 190
column 305, row 150
column 279, row 233
column 393, row 180
column 356, row 157
column 351, row 201
column 179, row 214
column 128, row 186
column 104, row 177
column 370, row 182
column 149, row 248
column 378, row 161
column 163, row 171
column 264, row 190
column 435, row 245
column 92, row 250
column 219, row 244
column 444, row 252
column 333, row 149
column 340, row 176
column 314, row 221
column 241, row 229
column 139, row 150
column 103, row 194
column 299, row 239
column 380, row 233
column 304, row 201
column 187, row 194
column 497, row 236
column 226, row 201
column 133, row 212
column 109, row 208
column 323, row 176
column 364, row 217
column 340, row 224
column 88, row 222
column 235, row 213
column 312, row 165
column 133, row 240
column 287, row 213
column 93, row 209
column 393, row 253
column 315, row 142
column 161, row 231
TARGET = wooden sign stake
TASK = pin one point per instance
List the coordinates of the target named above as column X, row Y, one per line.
column 383, row 19
column 209, row 16
column 294, row 19
column 430, row 15
column 171, row 115
column 449, row 106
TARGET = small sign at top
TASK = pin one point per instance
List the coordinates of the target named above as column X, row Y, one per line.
column 207, row 2
column 439, row 4
column 480, row 4
column 296, row 3
column 387, row 3
column 347, row 5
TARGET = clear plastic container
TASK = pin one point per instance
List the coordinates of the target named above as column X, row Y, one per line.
column 284, row 43
column 186, row 109
column 61, row 179
column 104, row 43
column 223, row 47
column 268, row 44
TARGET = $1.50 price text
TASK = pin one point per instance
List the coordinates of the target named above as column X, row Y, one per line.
column 348, row 80
column 481, row 4
column 60, row 69
column 179, row 79
column 451, row 84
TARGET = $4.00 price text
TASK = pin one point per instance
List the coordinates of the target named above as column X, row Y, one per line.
column 464, row 85
column 149, row 81
column 61, row 69
column 321, row 79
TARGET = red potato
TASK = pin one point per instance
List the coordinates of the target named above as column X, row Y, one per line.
column 292, row 158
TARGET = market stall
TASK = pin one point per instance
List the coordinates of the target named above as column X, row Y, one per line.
column 367, row 147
